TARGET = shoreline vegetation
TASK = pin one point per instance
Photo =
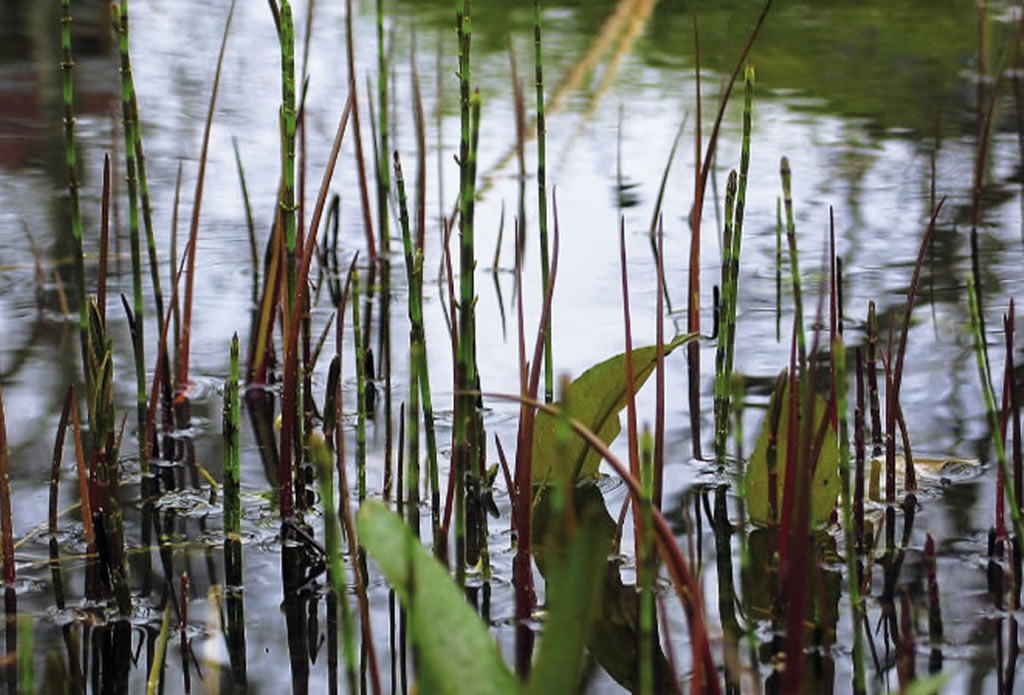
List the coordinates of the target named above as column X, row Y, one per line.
column 819, row 581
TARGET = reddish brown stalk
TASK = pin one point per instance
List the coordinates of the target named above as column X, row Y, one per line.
column 161, row 370
column 911, row 294
column 631, row 429
column 101, row 285
column 259, row 346
column 7, row 540
column 507, row 473
column 364, row 194
column 1018, row 463
column 522, row 567
column 186, row 328
column 1004, row 419
column 789, row 472
column 83, row 478
column 795, row 543
column 291, row 344
column 58, row 455
column 683, row 580
column 905, row 648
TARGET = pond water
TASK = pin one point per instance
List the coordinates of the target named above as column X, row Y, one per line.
column 876, row 105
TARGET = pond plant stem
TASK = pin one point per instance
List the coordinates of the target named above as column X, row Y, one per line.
column 418, row 347
column 383, row 170
column 138, row 323
column 542, row 193
column 984, row 376
column 646, row 578
column 840, row 385
column 364, row 194
column 71, row 159
column 288, row 129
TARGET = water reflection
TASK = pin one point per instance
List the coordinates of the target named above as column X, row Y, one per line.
column 876, row 102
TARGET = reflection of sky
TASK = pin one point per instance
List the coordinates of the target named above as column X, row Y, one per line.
column 878, row 187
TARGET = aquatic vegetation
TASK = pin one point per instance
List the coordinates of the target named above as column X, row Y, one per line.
column 589, row 559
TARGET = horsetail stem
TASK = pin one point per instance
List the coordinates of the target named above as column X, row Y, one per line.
column 139, row 307
column 357, row 336
column 721, row 376
column 232, row 452
column 418, row 345
column 288, row 127
column 794, row 265
column 71, row 159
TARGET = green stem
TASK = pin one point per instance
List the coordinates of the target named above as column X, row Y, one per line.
column 360, row 390
column 853, row 578
column 67, row 66
column 990, row 405
column 418, row 346
column 542, row 196
column 288, row 127
column 139, row 323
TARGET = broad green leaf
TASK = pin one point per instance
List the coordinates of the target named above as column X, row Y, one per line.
column 824, row 483
column 598, row 396
column 455, row 651
column 613, row 637
column 574, row 586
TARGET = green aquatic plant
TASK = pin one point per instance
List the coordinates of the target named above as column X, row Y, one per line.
column 599, row 395
column 455, row 653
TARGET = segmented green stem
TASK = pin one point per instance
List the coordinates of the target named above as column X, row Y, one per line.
column 139, row 308
column 232, row 452
column 147, row 208
column 990, row 405
column 778, row 270
column 418, row 346
column 794, row 264
column 357, row 336
column 465, row 368
column 721, row 376
column 332, row 544
column 288, row 127
column 71, row 158
column 542, row 196
column 849, row 538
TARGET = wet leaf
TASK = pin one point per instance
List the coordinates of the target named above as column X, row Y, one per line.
column 598, row 396
column 613, row 635
column 455, row 651
column 574, row 586
column 825, row 481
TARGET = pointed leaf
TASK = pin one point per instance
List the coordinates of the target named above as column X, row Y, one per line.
column 824, row 483
column 598, row 396
column 455, row 652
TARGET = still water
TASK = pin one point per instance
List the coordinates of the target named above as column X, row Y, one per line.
column 876, row 104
